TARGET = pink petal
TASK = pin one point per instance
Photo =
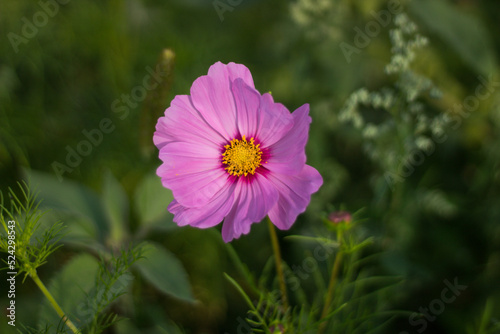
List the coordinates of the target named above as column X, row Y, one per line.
column 182, row 122
column 294, row 195
column 207, row 216
column 193, row 172
column 214, row 100
column 190, row 149
column 195, row 189
column 212, row 96
column 275, row 121
column 287, row 155
column 247, row 101
column 179, row 165
column 222, row 73
column 254, row 198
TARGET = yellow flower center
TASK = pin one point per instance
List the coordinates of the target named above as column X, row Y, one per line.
column 242, row 157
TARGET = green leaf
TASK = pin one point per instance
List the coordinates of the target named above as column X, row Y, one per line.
column 69, row 288
column 115, row 206
column 151, row 201
column 164, row 271
column 464, row 34
column 73, row 202
column 354, row 247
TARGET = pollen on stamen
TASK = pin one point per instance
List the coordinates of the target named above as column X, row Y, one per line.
column 242, row 157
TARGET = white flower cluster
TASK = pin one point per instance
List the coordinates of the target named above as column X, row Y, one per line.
column 394, row 122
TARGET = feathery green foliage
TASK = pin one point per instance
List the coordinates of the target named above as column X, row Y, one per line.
column 31, row 246
column 357, row 305
column 112, row 280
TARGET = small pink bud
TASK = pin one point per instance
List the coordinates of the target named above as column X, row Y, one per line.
column 340, row 216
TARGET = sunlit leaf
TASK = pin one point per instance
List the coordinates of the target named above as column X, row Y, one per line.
column 74, row 203
column 151, row 201
column 164, row 271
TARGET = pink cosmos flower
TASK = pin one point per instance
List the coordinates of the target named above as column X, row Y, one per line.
column 230, row 153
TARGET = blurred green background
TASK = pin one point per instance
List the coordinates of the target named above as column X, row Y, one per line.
column 62, row 77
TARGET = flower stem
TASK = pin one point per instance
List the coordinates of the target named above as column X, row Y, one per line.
column 332, row 283
column 53, row 302
column 279, row 268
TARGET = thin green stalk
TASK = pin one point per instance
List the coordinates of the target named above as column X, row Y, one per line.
column 279, row 268
column 332, row 283
column 53, row 302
